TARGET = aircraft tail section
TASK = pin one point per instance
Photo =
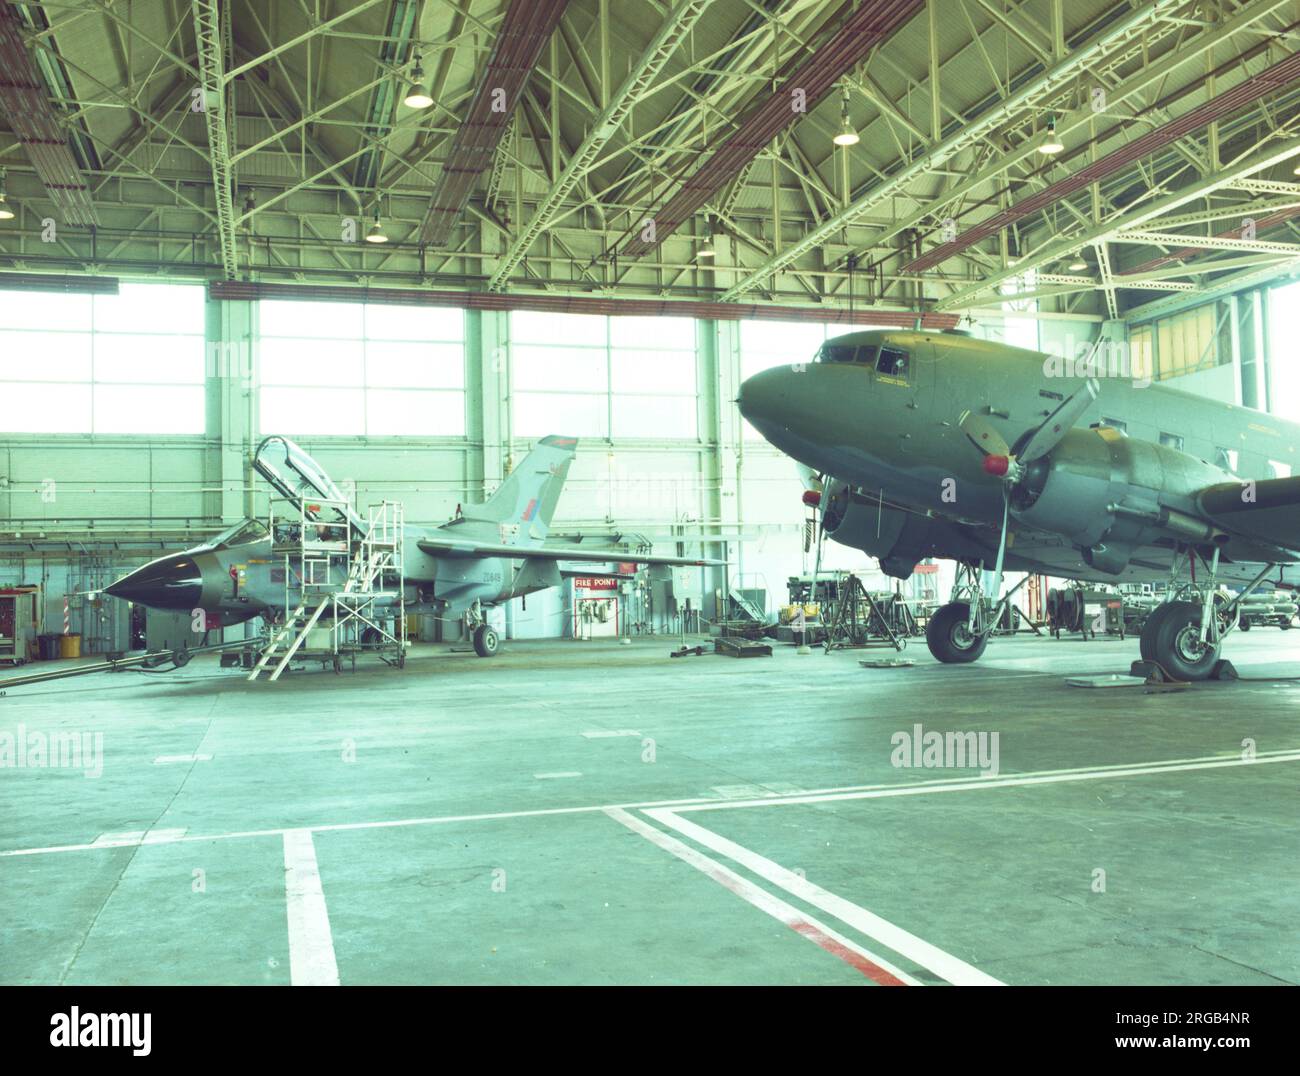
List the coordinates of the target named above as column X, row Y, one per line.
column 524, row 504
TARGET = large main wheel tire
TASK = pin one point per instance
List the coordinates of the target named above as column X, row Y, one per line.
column 1174, row 642
column 1146, row 641
column 485, row 641
column 949, row 637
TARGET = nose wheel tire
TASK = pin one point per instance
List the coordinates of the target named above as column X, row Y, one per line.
column 949, row 637
column 485, row 641
column 1171, row 638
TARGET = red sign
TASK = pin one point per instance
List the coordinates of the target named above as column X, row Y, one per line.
column 595, row 582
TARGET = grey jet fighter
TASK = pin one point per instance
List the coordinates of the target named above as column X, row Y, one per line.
column 998, row 458
column 488, row 554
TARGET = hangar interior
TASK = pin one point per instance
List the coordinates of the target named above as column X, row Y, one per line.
column 421, row 238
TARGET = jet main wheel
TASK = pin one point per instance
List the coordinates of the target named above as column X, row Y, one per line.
column 485, row 641
column 949, row 637
column 1172, row 639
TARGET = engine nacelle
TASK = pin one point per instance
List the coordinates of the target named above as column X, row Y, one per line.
column 1110, row 494
column 898, row 539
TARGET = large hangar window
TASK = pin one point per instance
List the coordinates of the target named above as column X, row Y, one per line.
column 605, row 377
column 361, row 369
column 1283, row 360
column 125, row 363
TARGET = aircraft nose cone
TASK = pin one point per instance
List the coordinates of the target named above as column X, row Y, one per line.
column 173, row 582
column 780, row 399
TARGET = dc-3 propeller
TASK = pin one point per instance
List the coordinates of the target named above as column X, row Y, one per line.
column 1000, row 461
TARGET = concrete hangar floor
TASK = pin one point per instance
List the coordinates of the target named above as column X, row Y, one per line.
column 590, row 813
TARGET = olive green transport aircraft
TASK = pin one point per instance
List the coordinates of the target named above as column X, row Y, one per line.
column 941, row 445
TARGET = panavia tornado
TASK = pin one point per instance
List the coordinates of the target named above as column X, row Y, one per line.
column 488, row 554
column 998, row 458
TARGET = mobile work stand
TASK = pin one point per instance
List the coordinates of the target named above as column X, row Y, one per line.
column 343, row 585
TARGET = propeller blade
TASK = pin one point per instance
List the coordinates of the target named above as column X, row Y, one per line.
column 983, row 434
column 811, row 479
column 1059, row 422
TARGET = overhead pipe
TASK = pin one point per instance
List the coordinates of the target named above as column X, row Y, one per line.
column 1281, row 74
column 527, row 26
column 871, row 24
column 26, row 105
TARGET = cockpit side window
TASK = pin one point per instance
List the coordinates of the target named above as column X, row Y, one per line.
column 251, row 530
column 839, row 353
column 893, row 362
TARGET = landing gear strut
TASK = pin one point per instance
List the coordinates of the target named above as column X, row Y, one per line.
column 1184, row 635
column 959, row 631
column 485, row 638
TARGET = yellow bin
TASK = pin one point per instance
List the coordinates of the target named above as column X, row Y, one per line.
column 69, row 646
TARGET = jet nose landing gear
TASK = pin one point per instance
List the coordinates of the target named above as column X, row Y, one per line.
column 485, row 641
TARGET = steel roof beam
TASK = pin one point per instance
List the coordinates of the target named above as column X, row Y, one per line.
column 1247, row 92
column 24, row 100
column 527, row 26
column 1052, row 251
column 213, row 38
column 1052, row 81
column 814, row 78
column 679, row 22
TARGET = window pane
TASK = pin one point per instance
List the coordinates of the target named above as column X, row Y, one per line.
column 537, row 414
column 654, row 416
column 794, row 341
column 44, row 310
column 754, row 362
column 44, row 408
column 652, row 332
column 175, row 360
column 149, row 409
column 385, row 322
column 403, row 365
column 392, row 413
column 304, row 410
column 654, row 371
column 533, row 327
column 289, row 318
column 164, row 308
column 286, row 361
column 559, row 368
column 28, row 356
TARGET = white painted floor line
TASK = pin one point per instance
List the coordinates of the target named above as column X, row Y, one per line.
column 819, row 933
column 948, row 967
column 1014, row 781
column 557, row 776
column 602, row 734
column 704, row 803
column 163, row 760
column 311, row 945
column 135, row 837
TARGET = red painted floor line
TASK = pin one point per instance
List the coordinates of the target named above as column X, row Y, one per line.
column 855, row 960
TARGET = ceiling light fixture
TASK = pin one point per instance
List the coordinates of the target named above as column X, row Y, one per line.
column 1051, row 144
column 5, row 212
column 706, row 248
column 847, row 134
column 376, row 233
column 416, row 95
column 1078, row 265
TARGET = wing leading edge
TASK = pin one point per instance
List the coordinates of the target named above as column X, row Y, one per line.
column 439, row 546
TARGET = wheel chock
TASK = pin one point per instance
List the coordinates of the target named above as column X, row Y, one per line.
column 1224, row 670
